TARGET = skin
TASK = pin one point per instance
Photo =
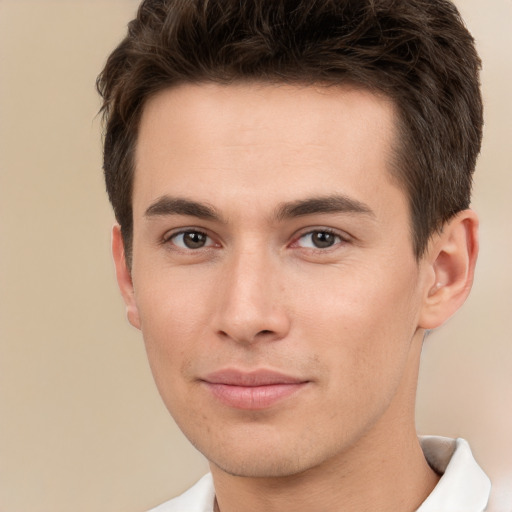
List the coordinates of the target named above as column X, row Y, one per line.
column 235, row 168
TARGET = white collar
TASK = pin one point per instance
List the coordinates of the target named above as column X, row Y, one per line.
column 198, row 498
column 463, row 487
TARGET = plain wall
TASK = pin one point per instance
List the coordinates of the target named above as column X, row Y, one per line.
column 81, row 425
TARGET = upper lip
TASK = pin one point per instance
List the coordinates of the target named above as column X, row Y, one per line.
column 260, row 377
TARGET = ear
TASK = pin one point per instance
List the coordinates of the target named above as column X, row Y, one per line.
column 124, row 277
column 451, row 263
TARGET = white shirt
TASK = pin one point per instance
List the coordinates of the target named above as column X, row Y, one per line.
column 464, row 487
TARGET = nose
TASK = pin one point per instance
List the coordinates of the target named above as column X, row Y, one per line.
column 251, row 304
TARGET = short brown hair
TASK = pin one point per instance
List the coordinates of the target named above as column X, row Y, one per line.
column 417, row 52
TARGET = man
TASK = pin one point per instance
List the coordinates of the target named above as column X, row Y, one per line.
column 292, row 182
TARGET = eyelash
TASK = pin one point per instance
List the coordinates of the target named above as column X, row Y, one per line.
column 339, row 239
column 171, row 237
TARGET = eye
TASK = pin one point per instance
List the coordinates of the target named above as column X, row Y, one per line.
column 319, row 239
column 191, row 240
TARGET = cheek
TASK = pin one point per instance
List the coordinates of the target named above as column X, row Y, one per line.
column 371, row 299
column 362, row 322
column 174, row 314
column 173, row 304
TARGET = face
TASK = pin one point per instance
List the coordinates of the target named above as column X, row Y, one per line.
column 273, row 274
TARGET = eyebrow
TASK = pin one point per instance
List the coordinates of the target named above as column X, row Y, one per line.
column 328, row 204
column 167, row 205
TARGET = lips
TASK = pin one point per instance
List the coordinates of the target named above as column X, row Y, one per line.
column 253, row 390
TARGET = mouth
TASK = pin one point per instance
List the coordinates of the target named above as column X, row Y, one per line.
column 254, row 390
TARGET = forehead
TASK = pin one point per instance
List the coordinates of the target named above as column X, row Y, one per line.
column 263, row 141
column 241, row 112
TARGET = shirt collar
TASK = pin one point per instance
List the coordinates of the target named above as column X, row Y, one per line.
column 463, row 486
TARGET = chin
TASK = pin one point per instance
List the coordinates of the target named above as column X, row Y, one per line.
column 260, row 466
column 261, row 458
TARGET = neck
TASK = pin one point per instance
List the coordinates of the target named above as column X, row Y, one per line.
column 385, row 470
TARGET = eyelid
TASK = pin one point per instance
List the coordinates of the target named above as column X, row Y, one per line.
column 171, row 234
column 343, row 236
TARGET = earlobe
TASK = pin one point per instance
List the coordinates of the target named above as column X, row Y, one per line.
column 124, row 278
column 451, row 258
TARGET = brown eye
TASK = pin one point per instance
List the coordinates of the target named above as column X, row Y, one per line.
column 319, row 240
column 191, row 240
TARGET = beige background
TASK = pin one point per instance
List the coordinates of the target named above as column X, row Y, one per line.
column 81, row 425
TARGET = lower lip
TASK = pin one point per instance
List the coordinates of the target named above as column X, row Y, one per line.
column 253, row 397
